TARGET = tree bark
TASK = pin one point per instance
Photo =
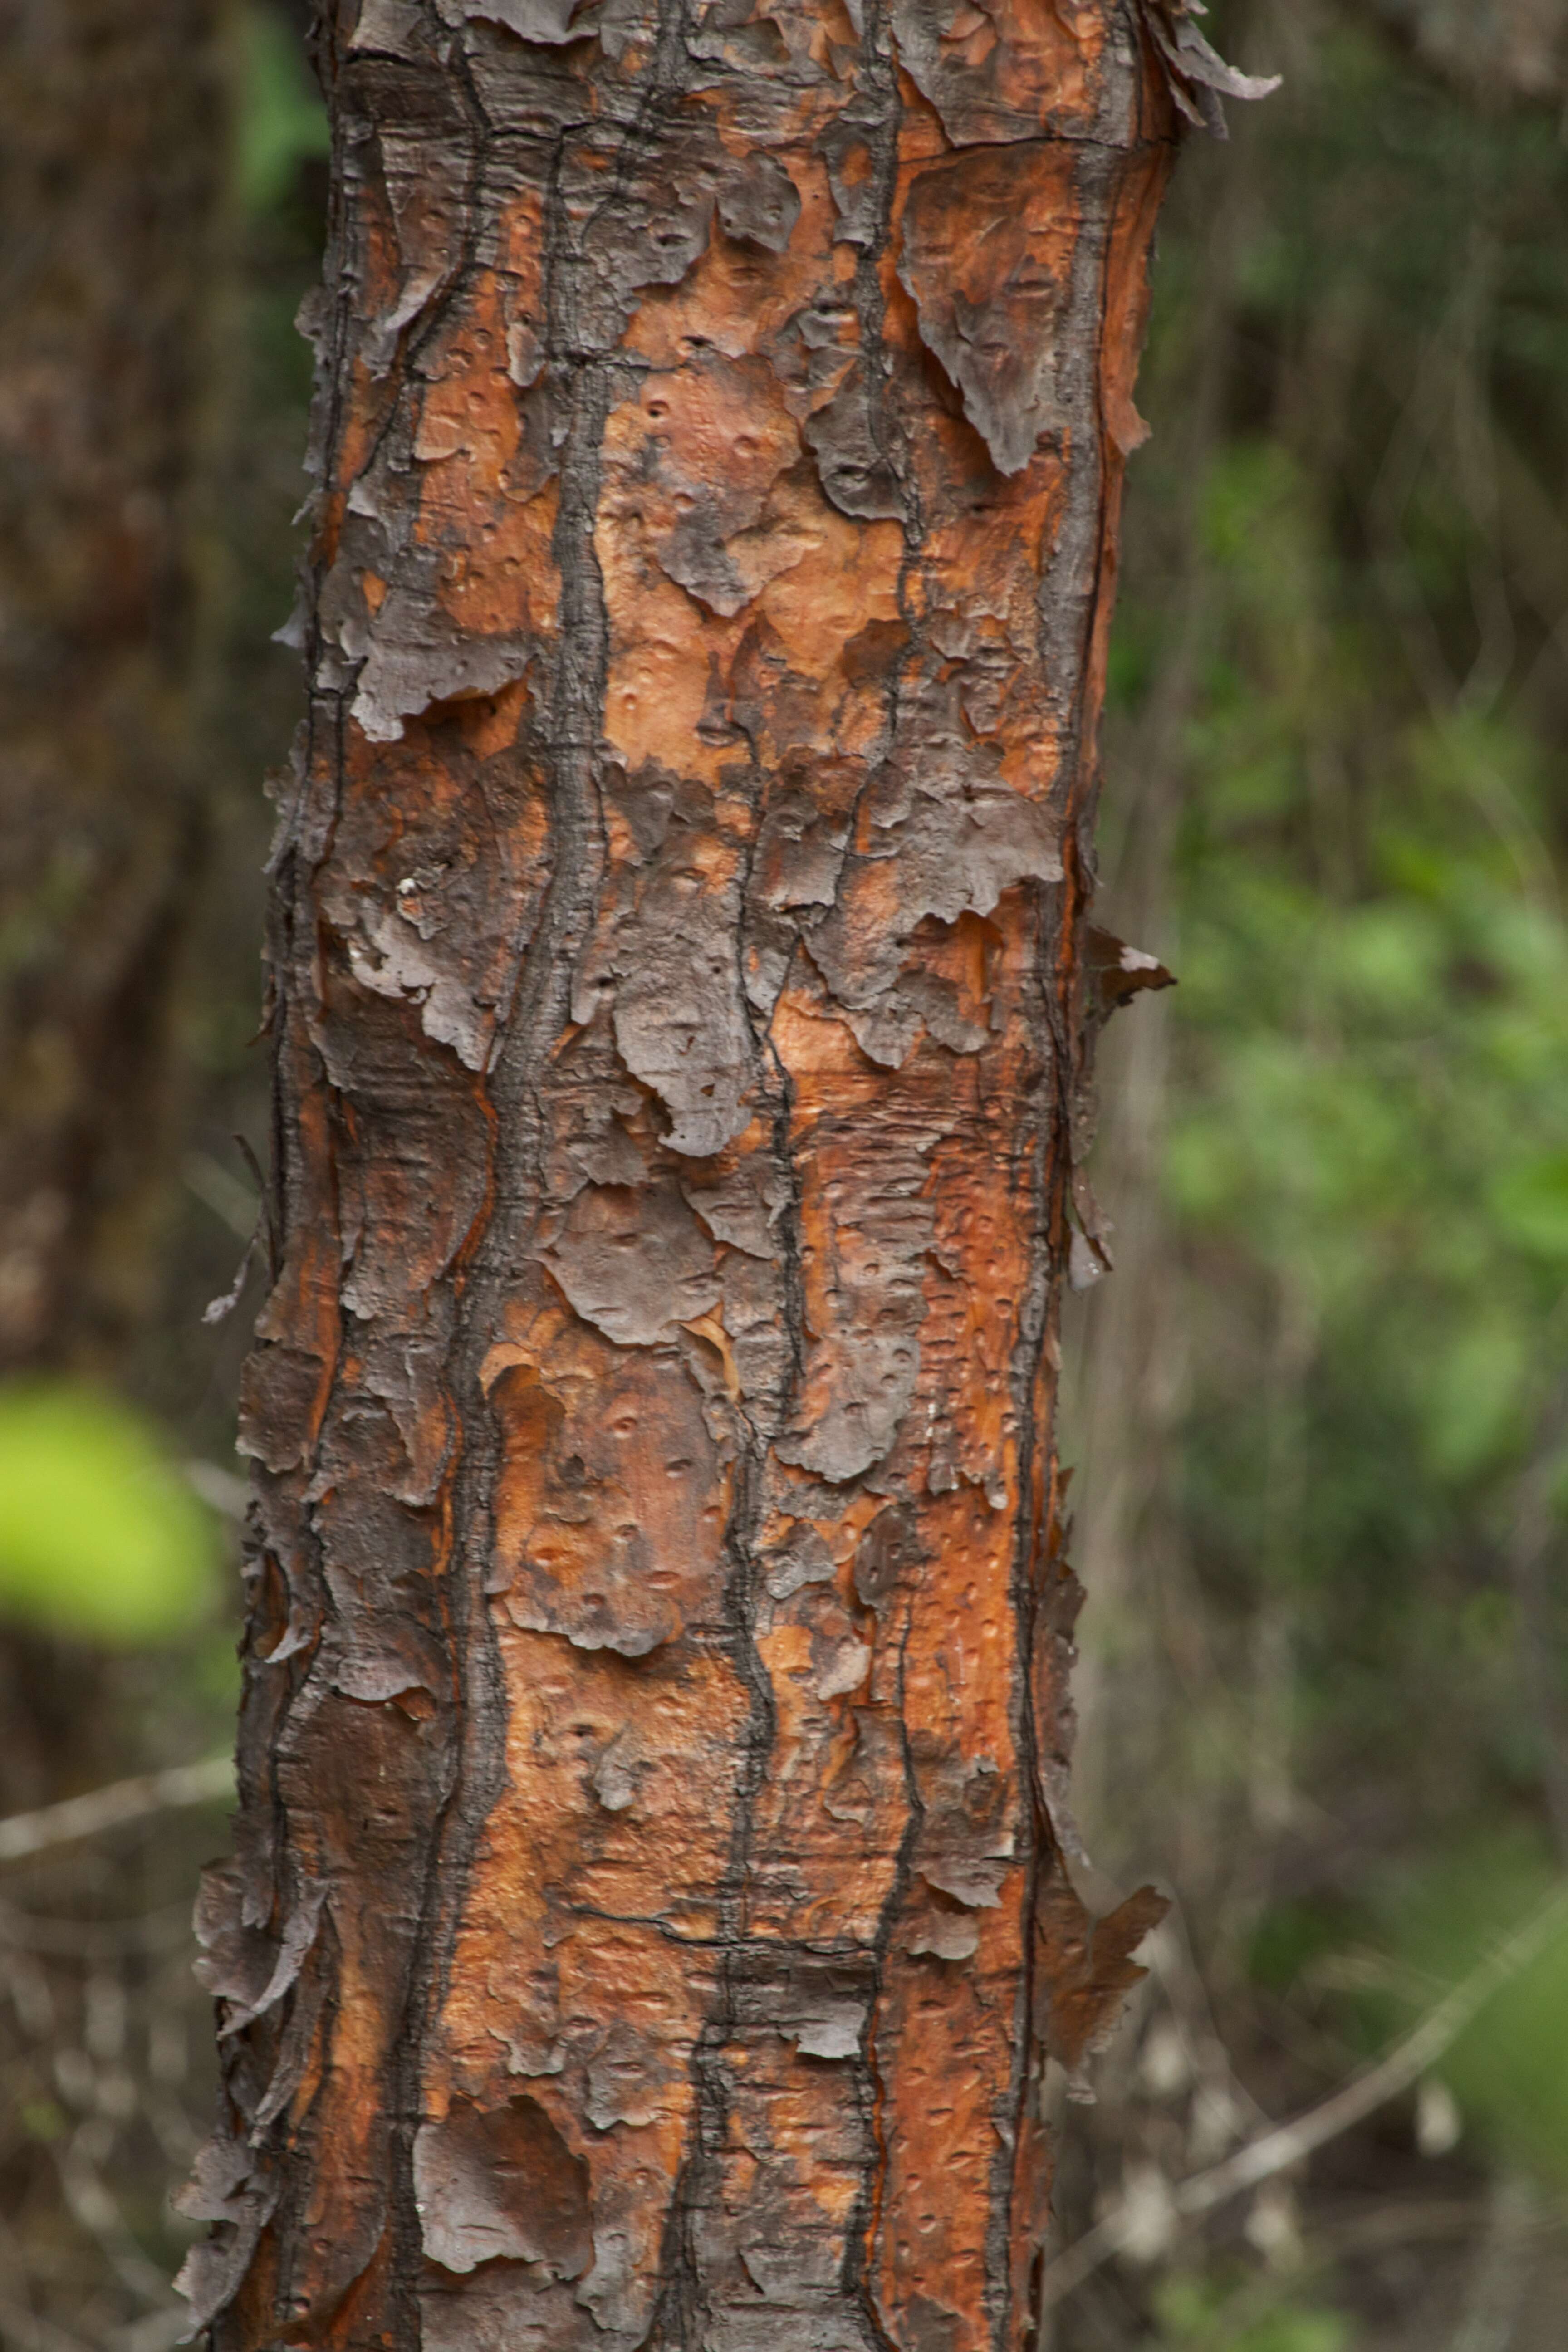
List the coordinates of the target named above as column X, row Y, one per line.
column 651, row 1918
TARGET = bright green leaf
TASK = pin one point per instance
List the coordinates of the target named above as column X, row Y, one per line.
column 282, row 120
column 99, row 1536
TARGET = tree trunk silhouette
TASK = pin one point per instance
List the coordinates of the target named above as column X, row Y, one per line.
column 651, row 1918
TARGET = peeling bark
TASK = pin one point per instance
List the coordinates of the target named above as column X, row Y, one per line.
column 651, row 1918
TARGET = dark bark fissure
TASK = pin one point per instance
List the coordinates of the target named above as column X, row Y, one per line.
column 538, row 1013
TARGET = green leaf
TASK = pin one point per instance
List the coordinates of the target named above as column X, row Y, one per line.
column 282, row 120
column 99, row 1536
column 1242, row 2314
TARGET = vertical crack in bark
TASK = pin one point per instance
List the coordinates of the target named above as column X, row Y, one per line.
column 477, row 1701
column 538, row 1014
column 889, row 436
column 859, row 2278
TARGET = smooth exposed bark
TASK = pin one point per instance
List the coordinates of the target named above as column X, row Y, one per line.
column 651, row 1918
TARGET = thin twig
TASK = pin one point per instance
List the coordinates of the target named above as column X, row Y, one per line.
column 94, row 2210
column 107, row 1808
column 168, row 1929
column 1275, row 2151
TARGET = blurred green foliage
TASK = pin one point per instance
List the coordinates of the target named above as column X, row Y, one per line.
column 1508, row 2069
column 100, row 1538
column 1348, row 528
column 282, row 120
column 1245, row 2314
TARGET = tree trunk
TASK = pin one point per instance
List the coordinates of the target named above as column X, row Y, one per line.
column 651, row 1918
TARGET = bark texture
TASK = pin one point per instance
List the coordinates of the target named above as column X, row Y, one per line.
column 651, row 1918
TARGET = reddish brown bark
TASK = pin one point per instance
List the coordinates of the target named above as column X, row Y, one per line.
column 651, row 1919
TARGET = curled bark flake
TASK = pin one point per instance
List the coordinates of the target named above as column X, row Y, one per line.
column 741, row 1206
column 945, row 1935
column 986, row 255
column 391, row 29
column 609, row 1517
column 804, row 837
column 1117, row 973
column 247, row 1968
column 856, row 472
column 501, row 2182
column 691, row 472
column 974, row 1881
column 548, row 23
column 802, row 1559
column 627, row 2080
column 666, row 963
column 942, row 839
column 226, row 2191
column 293, row 1945
column 846, row 1670
column 380, row 1660
column 613, row 2296
column 645, row 227
column 416, row 656
column 634, row 1262
column 1086, row 1263
column 296, row 2045
column 220, row 2178
column 833, row 2031
column 1000, row 70
column 1087, row 1970
column 760, row 204
column 613, row 1779
column 1198, row 77
column 424, row 176
column 845, row 148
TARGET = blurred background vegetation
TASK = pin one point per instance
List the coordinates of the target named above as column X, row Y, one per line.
column 162, row 181
column 1320, row 1412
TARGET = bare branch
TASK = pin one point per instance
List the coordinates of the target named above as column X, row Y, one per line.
column 106, row 1808
column 1289, row 2144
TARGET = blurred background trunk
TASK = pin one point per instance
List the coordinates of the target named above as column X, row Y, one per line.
column 112, row 156
column 159, row 161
